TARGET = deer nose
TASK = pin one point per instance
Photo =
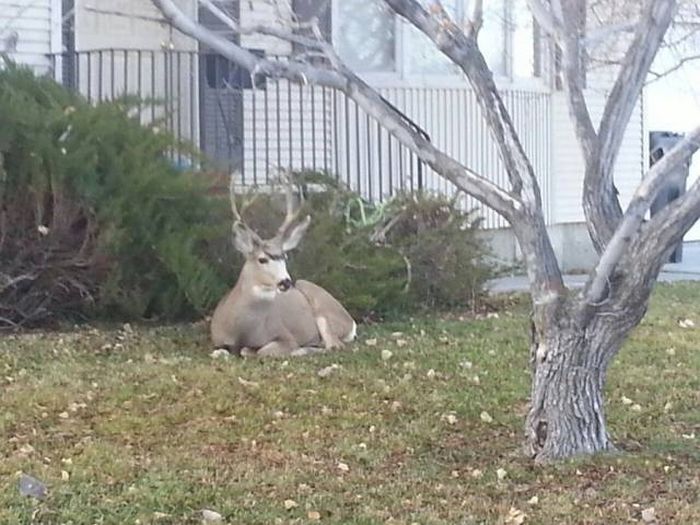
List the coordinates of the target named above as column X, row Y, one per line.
column 285, row 285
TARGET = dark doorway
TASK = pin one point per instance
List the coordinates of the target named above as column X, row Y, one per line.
column 221, row 96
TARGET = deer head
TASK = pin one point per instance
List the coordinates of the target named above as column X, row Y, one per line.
column 266, row 262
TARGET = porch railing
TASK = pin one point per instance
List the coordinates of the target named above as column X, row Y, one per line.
column 253, row 125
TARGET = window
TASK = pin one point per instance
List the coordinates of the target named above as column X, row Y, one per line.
column 522, row 29
column 492, row 36
column 422, row 57
column 371, row 40
column 366, row 35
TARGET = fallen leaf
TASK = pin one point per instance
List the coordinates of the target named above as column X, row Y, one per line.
column 386, row 355
column 290, row 504
column 401, row 343
column 250, row 384
column 534, row 500
column 64, row 415
column 210, row 516
column 220, row 353
column 325, row 372
column 636, row 407
column 430, row 374
column 64, row 475
column 501, row 474
column 515, row 517
column 450, row 418
column 649, row 515
column 314, row 516
column 486, row 417
column 686, row 323
column 371, row 342
column 671, row 351
column 476, row 473
column 343, row 467
column 626, row 400
column 26, row 449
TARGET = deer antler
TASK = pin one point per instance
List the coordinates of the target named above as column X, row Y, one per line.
column 232, row 196
column 247, row 202
column 292, row 213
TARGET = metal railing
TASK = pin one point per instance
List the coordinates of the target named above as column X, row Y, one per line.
column 253, row 125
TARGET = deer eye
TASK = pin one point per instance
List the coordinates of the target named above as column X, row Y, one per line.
column 263, row 260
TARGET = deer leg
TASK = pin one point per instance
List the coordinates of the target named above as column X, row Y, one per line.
column 276, row 349
column 330, row 340
column 247, row 352
column 307, row 350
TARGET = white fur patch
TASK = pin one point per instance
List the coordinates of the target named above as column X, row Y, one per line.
column 353, row 333
column 264, row 293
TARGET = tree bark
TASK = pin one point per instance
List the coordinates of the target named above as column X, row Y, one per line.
column 569, row 364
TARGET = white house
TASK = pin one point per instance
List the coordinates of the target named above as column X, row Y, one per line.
column 30, row 30
column 253, row 125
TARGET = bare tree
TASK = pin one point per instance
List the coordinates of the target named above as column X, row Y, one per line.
column 574, row 336
column 610, row 22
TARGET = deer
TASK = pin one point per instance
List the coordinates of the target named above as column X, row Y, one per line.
column 266, row 313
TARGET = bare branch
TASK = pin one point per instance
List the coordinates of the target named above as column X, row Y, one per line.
column 464, row 52
column 221, row 15
column 477, row 19
column 277, row 32
column 600, row 202
column 111, row 12
column 675, row 67
column 634, row 215
column 595, row 36
column 551, row 25
column 368, row 99
column 543, row 272
column 573, row 74
column 667, row 228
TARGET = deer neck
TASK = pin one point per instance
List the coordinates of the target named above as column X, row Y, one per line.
column 252, row 293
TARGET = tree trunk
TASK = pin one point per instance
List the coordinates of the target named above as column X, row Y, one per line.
column 569, row 364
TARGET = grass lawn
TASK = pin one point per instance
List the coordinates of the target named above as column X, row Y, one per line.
column 143, row 426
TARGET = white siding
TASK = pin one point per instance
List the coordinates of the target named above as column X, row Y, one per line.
column 126, row 55
column 287, row 126
column 316, row 128
column 258, row 12
column 567, row 160
column 32, row 21
column 99, row 30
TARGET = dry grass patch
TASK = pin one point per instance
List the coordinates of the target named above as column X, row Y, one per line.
column 140, row 425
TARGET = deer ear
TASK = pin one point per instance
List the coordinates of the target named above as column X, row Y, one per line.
column 244, row 239
column 292, row 239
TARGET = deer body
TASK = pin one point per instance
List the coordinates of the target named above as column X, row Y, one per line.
column 265, row 313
